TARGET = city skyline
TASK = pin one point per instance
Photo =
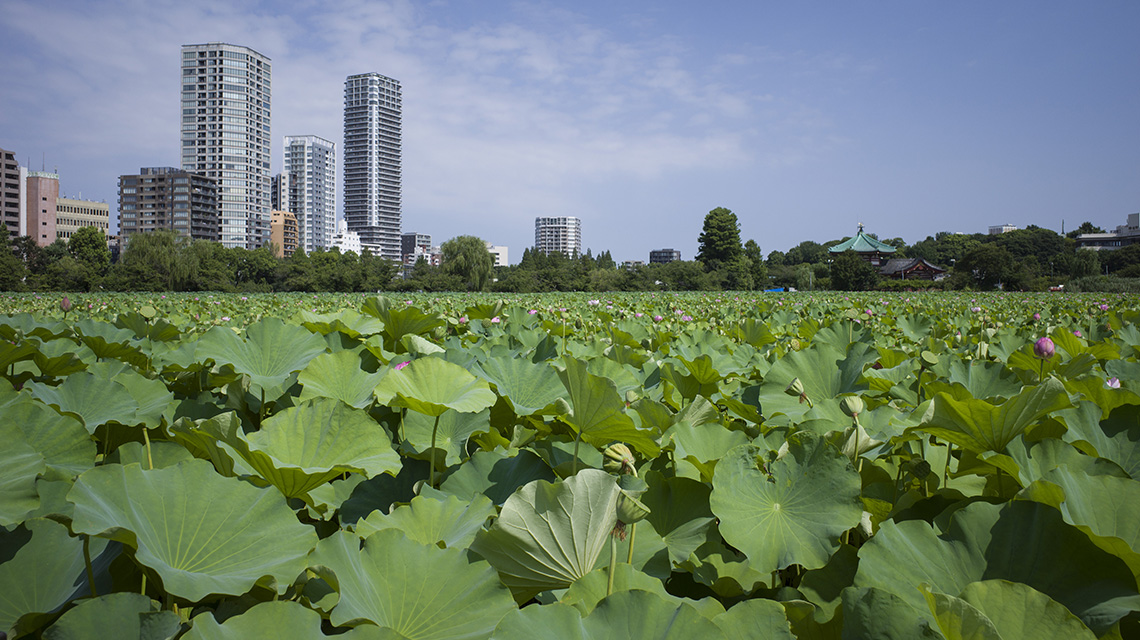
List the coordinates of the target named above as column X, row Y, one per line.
column 637, row 118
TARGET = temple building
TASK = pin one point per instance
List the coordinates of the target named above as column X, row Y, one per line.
column 868, row 248
column 911, row 269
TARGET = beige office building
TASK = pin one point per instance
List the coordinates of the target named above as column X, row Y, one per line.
column 72, row 214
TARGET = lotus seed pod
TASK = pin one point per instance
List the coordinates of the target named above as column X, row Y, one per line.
column 563, row 407
column 1044, row 348
column 794, row 344
column 852, row 405
column 795, row 388
column 630, row 509
column 617, row 458
column 920, row 469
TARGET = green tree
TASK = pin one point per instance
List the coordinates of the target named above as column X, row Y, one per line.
column 806, row 252
column 849, row 272
column 756, row 265
column 1086, row 227
column 719, row 242
column 88, row 246
column 467, row 258
column 155, row 261
column 12, row 269
column 987, row 266
column 1086, row 263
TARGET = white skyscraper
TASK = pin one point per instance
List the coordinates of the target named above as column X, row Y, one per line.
column 310, row 164
column 225, row 134
column 372, row 159
column 563, row 234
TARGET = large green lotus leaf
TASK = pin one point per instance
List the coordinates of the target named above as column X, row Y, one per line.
column 66, row 446
column 202, row 438
column 277, row 619
column 421, row 591
column 549, row 535
column 452, row 433
column 14, row 352
column 94, row 400
column 60, row 358
column 162, row 454
column 305, row 446
column 590, row 589
column 432, row 386
column 1116, row 438
column 496, row 474
column 1004, row 610
column 679, row 512
column 151, row 397
column 201, row 532
column 703, row 445
column 450, row 521
column 793, row 511
column 980, row 426
column 874, row 613
column 1039, row 458
column 400, row 320
column 40, row 576
column 1020, row 541
column 979, row 379
column 599, row 412
column 338, row 375
column 118, row 615
column 755, row 619
column 348, row 322
column 625, row 615
column 529, row 387
column 623, row 378
column 108, row 341
column 824, row 371
column 1097, row 391
column 1104, row 507
column 155, row 330
column 20, row 465
column 269, row 353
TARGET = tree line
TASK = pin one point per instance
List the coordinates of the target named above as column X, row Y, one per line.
column 1028, row 259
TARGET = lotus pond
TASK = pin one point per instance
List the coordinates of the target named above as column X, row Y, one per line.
column 567, row 467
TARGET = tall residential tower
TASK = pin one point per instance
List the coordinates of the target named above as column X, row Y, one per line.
column 310, row 164
column 372, row 161
column 562, row 234
column 225, row 134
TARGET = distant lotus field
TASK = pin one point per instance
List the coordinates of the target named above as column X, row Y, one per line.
column 570, row 466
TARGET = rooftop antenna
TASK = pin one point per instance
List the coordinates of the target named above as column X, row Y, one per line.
column 860, row 227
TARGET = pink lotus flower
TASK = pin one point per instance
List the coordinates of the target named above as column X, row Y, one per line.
column 1104, row 307
column 403, row 364
column 462, row 319
column 686, row 318
column 1037, row 316
column 657, row 318
column 65, row 304
column 1077, row 333
column 495, row 320
column 532, row 311
column 1113, row 383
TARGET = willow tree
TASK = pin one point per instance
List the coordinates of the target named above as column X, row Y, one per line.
column 467, row 258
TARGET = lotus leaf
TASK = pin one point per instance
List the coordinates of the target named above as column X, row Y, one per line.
column 432, row 386
column 529, row 387
column 1021, row 542
column 451, row 432
column 338, row 375
column 788, row 511
column 421, row 591
column 1004, row 610
column 599, row 412
column 54, row 558
column 118, row 615
column 549, row 535
column 980, row 426
column 628, row 615
column 496, row 474
column 270, row 351
column 679, row 511
column 20, row 465
column 590, row 589
column 449, row 522
column 277, row 619
column 221, row 537
column 94, row 400
column 757, row 619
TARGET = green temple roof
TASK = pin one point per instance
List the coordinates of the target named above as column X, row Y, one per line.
column 862, row 243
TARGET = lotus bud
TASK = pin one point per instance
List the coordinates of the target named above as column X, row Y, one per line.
column 630, row 509
column 796, row 388
column 563, row 407
column 1044, row 348
column 852, row 405
column 630, row 397
column 618, row 459
column 65, row 304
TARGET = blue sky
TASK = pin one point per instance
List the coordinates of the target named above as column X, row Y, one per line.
column 804, row 118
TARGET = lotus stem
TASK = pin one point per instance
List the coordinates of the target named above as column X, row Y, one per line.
column 946, row 471
column 632, row 537
column 577, row 442
column 87, row 565
column 613, row 563
column 143, row 591
column 431, row 467
column 146, row 441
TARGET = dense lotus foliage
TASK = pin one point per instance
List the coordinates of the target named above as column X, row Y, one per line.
column 569, row 467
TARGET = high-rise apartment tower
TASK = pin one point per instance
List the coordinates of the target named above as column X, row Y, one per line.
column 562, row 235
column 165, row 198
column 225, row 134
column 372, row 161
column 310, row 164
